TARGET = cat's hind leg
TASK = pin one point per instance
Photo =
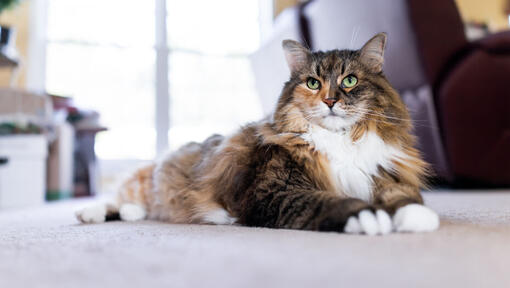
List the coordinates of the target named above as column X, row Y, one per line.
column 130, row 204
column 132, row 212
column 218, row 216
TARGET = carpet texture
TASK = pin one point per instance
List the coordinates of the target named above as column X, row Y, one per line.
column 46, row 247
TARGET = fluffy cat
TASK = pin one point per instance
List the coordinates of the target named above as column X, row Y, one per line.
column 336, row 155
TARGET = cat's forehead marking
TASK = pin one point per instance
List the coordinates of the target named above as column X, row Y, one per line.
column 331, row 65
column 318, row 70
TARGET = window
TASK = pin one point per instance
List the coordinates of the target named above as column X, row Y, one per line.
column 211, row 85
column 104, row 54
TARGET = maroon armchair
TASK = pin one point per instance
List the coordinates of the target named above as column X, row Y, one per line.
column 471, row 88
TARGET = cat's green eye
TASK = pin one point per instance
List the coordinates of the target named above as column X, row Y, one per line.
column 313, row 83
column 349, row 81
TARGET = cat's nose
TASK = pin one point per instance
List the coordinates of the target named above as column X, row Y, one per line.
column 330, row 102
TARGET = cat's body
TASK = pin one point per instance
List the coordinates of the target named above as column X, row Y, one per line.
column 332, row 157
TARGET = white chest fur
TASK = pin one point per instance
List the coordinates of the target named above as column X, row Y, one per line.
column 353, row 164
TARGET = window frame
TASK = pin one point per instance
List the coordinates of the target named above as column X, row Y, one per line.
column 38, row 41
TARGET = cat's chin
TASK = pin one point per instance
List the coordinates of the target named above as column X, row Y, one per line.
column 337, row 123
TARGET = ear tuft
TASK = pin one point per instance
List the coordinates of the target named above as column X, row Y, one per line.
column 295, row 54
column 372, row 53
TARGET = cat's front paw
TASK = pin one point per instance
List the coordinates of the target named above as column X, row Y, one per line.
column 415, row 218
column 92, row 214
column 368, row 222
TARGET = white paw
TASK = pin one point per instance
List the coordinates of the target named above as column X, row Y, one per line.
column 219, row 217
column 368, row 223
column 92, row 214
column 132, row 212
column 415, row 218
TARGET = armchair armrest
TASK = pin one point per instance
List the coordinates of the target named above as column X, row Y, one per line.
column 495, row 43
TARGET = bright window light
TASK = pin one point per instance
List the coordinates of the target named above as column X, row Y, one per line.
column 101, row 53
column 211, row 83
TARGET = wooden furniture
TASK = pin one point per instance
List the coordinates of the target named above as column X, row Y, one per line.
column 85, row 162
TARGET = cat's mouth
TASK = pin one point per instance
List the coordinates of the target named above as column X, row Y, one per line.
column 337, row 120
column 337, row 113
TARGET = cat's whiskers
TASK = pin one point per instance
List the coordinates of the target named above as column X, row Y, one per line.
column 382, row 115
column 366, row 116
column 376, row 117
column 375, row 113
column 354, row 36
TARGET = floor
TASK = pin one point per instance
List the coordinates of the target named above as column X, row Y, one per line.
column 46, row 247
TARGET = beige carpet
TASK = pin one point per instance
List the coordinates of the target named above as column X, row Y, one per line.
column 46, row 247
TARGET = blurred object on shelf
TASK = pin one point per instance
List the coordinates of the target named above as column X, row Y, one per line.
column 61, row 102
column 84, row 119
column 23, row 112
column 10, row 128
column 61, row 162
column 85, row 125
column 476, row 30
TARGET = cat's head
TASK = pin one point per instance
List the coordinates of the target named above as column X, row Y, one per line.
column 336, row 89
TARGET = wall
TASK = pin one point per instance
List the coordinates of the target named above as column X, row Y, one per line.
column 17, row 17
column 280, row 5
column 491, row 12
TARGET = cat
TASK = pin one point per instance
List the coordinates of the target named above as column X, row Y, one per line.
column 336, row 155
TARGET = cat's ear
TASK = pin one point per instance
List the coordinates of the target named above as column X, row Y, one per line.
column 295, row 54
column 372, row 53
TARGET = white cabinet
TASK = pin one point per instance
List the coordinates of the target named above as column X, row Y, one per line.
column 22, row 170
